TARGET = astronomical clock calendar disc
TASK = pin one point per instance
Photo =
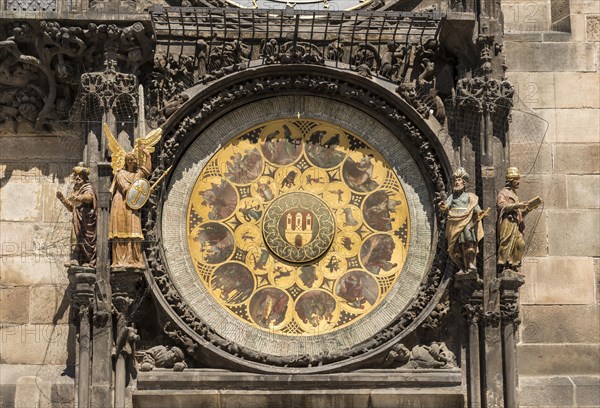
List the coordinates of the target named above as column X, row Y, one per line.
column 298, row 227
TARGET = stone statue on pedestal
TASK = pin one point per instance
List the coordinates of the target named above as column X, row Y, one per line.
column 125, row 228
column 511, row 211
column 82, row 203
column 463, row 226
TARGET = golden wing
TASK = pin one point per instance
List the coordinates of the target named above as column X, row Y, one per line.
column 148, row 142
column 116, row 151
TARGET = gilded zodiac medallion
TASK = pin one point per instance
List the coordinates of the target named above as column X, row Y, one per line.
column 298, row 227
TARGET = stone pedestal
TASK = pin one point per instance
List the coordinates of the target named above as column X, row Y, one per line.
column 363, row 388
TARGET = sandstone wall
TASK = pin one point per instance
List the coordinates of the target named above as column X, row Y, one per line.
column 36, row 337
column 552, row 49
column 552, row 52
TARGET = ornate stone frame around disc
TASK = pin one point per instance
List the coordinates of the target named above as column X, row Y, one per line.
column 400, row 314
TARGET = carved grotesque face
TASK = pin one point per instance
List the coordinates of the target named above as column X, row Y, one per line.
column 441, row 352
column 515, row 183
column 459, row 185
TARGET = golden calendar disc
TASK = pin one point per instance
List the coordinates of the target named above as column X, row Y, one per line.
column 298, row 226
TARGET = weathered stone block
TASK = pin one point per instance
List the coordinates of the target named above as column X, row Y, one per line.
column 49, row 304
column 593, row 28
column 539, row 125
column 536, row 233
column 531, row 158
column 583, row 191
column 523, row 37
column 558, row 359
column 545, row 391
column 548, row 57
column 558, row 280
column 525, row 17
column 587, row 391
column 560, row 324
column 551, row 188
column 534, row 89
column 44, row 344
column 576, row 90
column 573, row 233
column 43, row 241
column 62, row 386
column 53, row 210
column 29, row 199
column 23, row 172
column 32, row 270
column 40, row 148
column 577, row 158
column 14, row 304
column 577, row 126
column 578, row 27
column 597, row 273
column 561, row 33
column 570, row 125
column 584, row 7
column 32, row 391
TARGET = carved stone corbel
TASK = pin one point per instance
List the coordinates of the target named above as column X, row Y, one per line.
column 434, row 356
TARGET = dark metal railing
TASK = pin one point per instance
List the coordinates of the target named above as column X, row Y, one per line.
column 217, row 38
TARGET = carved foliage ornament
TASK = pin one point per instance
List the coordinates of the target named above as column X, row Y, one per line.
column 42, row 63
column 414, row 67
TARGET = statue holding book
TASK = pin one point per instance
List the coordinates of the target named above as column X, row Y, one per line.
column 511, row 212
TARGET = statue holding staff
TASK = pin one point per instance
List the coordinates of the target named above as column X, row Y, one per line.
column 125, row 227
column 82, row 203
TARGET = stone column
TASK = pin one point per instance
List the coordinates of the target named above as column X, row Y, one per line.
column 494, row 381
column 101, row 387
column 83, row 281
column 509, row 309
column 124, row 292
column 469, row 287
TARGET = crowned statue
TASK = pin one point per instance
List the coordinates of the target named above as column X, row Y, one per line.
column 125, row 227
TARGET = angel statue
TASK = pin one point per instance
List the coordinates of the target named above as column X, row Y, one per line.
column 125, row 228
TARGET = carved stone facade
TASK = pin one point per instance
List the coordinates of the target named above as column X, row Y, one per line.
column 369, row 112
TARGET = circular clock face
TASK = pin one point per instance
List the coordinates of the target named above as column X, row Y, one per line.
column 298, row 227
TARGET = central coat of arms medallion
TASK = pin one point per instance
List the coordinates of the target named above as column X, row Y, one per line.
column 298, row 227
